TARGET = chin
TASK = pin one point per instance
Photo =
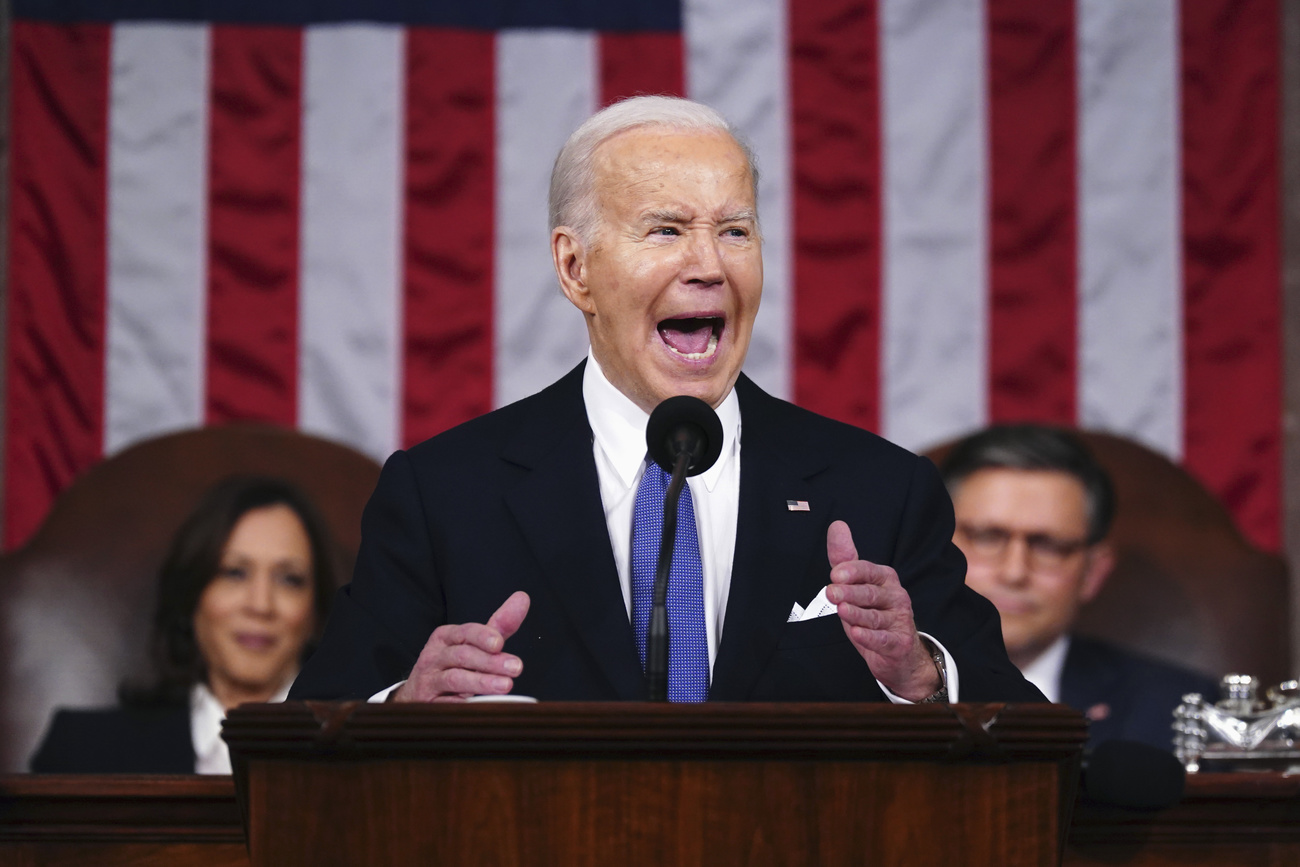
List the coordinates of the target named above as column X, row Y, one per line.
column 711, row 389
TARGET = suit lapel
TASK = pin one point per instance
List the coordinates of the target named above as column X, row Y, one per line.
column 772, row 542
column 558, row 508
column 1090, row 686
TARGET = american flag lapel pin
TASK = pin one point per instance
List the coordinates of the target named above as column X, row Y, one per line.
column 797, row 505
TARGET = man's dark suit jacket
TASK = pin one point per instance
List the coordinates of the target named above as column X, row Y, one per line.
column 1126, row 696
column 511, row 501
column 117, row 741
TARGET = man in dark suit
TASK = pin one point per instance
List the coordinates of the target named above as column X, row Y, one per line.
column 501, row 556
column 1033, row 511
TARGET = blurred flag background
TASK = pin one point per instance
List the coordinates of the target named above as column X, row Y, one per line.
column 332, row 216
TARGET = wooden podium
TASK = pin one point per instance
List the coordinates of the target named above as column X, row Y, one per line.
column 632, row 784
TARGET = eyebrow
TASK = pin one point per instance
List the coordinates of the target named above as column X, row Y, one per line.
column 745, row 216
column 672, row 216
column 663, row 216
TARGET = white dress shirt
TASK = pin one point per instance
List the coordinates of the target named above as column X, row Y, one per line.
column 1045, row 671
column 211, row 755
column 619, row 447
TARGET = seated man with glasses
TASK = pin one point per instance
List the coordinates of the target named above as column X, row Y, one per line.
column 1033, row 511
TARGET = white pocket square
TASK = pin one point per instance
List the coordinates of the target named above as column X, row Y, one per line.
column 819, row 607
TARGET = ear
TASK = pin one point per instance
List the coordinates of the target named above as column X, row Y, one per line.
column 1101, row 561
column 570, row 259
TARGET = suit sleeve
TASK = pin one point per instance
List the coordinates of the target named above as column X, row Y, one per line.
column 933, row 571
column 381, row 620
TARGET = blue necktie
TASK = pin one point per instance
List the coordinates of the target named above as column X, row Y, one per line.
column 688, row 648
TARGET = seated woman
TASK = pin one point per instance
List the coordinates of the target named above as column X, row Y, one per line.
column 242, row 594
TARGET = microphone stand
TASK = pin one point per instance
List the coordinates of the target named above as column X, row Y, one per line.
column 656, row 660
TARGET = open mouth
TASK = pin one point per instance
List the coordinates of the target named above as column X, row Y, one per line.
column 695, row 338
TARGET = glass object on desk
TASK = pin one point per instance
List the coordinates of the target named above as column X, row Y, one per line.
column 1240, row 732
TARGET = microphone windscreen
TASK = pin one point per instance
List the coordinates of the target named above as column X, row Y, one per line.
column 689, row 420
column 1132, row 774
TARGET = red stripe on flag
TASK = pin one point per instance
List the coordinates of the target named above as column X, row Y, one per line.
column 640, row 63
column 448, row 232
column 835, row 96
column 57, row 251
column 1231, row 249
column 1033, row 274
column 253, row 224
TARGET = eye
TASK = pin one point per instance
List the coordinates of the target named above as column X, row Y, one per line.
column 234, row 573
column 296, row 580
column 988, row 536
column 736, row 232
column 1051, row 548
column 667, row 231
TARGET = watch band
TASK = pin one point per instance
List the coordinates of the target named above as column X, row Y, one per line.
column 936, row 656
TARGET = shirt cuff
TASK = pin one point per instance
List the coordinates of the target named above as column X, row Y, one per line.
column 949, row 668
column 382, row 696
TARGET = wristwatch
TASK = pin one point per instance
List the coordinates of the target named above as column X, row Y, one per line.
column 936, row 655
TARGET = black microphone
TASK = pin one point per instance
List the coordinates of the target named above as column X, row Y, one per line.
column 1132, row 774
column 684, row 436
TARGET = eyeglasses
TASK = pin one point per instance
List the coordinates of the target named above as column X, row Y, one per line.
column 1045, row 552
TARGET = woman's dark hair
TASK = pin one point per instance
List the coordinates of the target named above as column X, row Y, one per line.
column 191, row 564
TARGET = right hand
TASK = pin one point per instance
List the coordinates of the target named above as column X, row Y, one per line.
column 465, row 659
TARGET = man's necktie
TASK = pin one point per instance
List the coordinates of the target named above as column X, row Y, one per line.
column 688, row 647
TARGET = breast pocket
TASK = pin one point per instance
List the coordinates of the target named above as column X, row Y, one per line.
column 812, row 633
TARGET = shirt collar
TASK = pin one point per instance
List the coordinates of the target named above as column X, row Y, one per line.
column 204, row 703
column 619, row 426
column 206, row 714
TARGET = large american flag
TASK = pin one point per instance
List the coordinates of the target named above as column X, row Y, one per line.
column 331, row 215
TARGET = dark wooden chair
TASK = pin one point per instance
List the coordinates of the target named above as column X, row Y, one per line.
column 76, row 601
column 1187, row 586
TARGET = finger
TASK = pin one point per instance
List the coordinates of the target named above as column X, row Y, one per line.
column 857, row 595
column 508, row 618
column 839, row 544
column 862, row 572
column 471, row 658
column 458, row 680
column 486, row 638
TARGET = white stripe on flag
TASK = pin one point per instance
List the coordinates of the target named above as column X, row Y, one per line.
column 157, row 231
column 1130, row 339
column 934, row 155
column 735, row 55
column 547, row 84
column 350, row 295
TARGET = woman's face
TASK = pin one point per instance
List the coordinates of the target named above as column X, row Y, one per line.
column 256, row 615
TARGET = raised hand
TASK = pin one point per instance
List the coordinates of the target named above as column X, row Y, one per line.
column 877, row 616
column 465, row 659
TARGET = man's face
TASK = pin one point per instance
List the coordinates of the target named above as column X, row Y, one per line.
column 671, row 278
column 1024, row 534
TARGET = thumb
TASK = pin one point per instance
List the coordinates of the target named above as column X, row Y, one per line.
column 510, row 615
column 839, row 544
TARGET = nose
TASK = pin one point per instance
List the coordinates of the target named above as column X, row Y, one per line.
column 704, row 264
column 1015, row 562
column 260, row 596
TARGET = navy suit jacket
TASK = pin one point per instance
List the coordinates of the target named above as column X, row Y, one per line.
column 1126, row 696
column 511, row 501
column 117, row 741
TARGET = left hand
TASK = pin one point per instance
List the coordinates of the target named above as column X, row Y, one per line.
column 877, row 616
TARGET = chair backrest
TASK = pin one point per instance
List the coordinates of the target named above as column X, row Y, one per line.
column 1187, row 586
column 76, row 601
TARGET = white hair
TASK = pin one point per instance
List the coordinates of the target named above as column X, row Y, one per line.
column 572, row 200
